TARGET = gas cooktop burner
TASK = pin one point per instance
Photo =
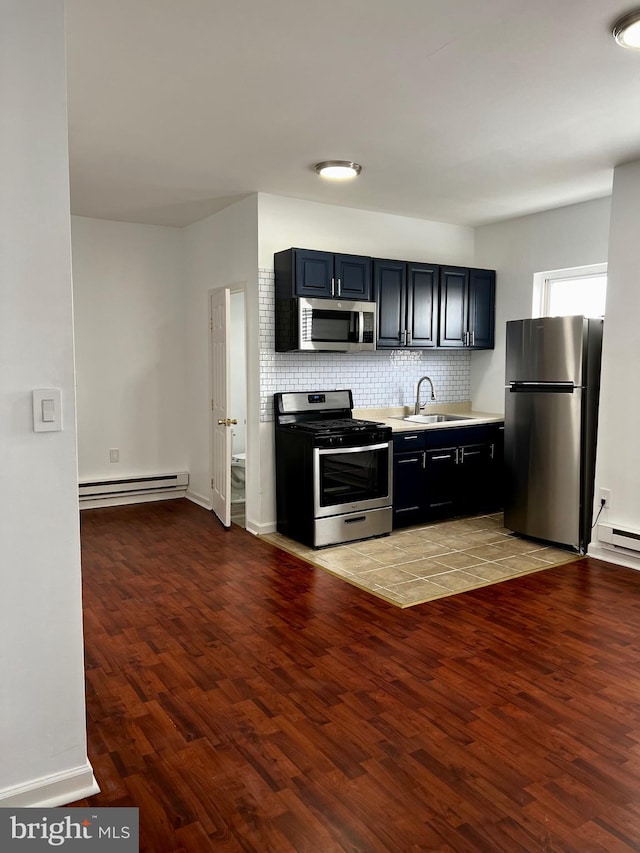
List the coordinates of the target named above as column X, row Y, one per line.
column 335, row 425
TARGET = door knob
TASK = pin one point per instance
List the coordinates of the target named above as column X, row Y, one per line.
column 227, row 421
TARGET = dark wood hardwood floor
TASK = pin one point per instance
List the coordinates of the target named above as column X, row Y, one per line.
column 247, row 702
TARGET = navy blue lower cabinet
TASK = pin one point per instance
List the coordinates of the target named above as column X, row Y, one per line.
column 442, row 483
column 446, row 473
column 408, row 478
column 408, row 488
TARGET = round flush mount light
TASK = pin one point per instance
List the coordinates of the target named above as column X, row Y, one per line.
column 626, row 31
column 338, row 170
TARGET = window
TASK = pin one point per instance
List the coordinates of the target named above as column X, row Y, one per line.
column 578, row 290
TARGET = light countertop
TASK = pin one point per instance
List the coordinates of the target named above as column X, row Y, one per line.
column 391, row 416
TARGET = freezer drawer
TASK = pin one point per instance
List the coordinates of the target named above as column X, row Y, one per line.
column 542, row 463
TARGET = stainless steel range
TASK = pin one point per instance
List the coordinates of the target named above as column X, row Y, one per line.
column 333, row 471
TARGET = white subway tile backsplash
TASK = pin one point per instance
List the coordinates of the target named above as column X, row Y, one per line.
column 377, row 379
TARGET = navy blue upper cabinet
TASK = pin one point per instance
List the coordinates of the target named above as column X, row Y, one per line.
column 482, row 308
column 422, row 305
column 390, row 291
column 324, row 275
column 467, row 308
column 454, row 306
column 313, row 273
column 353, row 277
column 419, row 305
column 406, row 295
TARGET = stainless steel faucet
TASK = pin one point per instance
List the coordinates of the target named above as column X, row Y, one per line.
column 433, row 393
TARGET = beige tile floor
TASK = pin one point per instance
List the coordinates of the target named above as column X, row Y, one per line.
column 419, row 564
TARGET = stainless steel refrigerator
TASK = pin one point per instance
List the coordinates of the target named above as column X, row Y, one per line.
column 551, row 417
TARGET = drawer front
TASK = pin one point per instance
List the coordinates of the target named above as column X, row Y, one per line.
column 456, row 436
column 442, row 457
column 403, row 442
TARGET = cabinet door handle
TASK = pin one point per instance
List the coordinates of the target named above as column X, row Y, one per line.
column 473, row 339
column 333, row 286
column 493, row 447
column 408, row 461
column 466, row 453
column 408, row 437
column 404, row 337
column 408, row 338
column 438, row 458
column 339, row 287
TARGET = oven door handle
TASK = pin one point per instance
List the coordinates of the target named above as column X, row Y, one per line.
column 328, row 450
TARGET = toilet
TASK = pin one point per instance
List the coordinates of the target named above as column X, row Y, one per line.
column 238, row 462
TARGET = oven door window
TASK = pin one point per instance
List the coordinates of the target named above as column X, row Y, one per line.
column 353, row 474
column 334, row 326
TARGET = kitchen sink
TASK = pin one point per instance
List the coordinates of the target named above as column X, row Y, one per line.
column 434, row 419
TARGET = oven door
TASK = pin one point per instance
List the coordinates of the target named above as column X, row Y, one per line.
column 351, row 479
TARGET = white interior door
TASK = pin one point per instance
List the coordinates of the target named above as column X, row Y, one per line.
column 220, row 404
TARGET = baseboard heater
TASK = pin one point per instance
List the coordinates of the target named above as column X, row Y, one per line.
column 119, row 490
column 621, row 537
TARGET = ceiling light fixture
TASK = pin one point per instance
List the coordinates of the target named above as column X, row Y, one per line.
column 626, row 31
column 338, row 170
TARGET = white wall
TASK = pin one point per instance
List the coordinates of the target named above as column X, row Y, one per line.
column 42, row 711
column 618, row 459
column 221, row 251
column 130, row 347
column 556, row 239
column 287, row 222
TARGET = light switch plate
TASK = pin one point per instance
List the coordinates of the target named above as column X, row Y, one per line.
column 47, row 403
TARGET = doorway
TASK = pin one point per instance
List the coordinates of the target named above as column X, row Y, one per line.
column 237, row 372
column 228, row 382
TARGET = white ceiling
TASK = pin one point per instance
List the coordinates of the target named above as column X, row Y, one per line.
column 459, row 111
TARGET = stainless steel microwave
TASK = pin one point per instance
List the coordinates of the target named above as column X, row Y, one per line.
column 325, row 325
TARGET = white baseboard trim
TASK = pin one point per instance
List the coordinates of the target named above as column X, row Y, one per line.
column 261, row 529
column 59, row 789
column 130, row 499
column 619, row 556
column 195, row 498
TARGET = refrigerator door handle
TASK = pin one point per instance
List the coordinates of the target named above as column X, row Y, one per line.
column 524, row 387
